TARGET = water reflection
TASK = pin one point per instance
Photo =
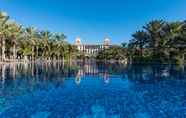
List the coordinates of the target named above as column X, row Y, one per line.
column 46, row 72
column 90, row 88
column 61, row 71
column 78, row 77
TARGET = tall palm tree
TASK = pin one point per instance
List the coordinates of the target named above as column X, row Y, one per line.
column 154, row 29
column 25, row 49
column 15, row 32
column 3, row 29
column 174, row 39
column 32, row 35
column 71, row 52
column 60, row 40
column 54, row 45
column 172, row 31
column 140, row 39
column 46, row 35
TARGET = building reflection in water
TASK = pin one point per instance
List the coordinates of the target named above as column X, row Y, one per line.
column 34, row 73
column 79, row 76
column 91, row 69
column 106, row 74
column 106, row 77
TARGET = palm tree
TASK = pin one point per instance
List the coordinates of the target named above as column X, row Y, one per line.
column 53, row 48
column 174, row 38
column 140, row 39
column 60, row 40
column 124, row 45
column 3, row 29
column 46, row 35
column 154, row 29
column 12, row 36
column 32, row 35
column 15, row 32
column 71, row 50
column 24, row 49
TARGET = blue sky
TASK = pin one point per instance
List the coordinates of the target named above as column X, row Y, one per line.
column 93, row 20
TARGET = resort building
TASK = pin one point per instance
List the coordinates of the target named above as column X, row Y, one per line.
column 92, row 49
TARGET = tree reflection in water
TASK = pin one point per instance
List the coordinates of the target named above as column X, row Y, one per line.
column 92, row 88
column 32, row 74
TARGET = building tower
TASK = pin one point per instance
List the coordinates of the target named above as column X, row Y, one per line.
column 78, row 43
column 106, row 43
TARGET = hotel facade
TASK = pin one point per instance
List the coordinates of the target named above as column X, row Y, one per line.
column 92, row 49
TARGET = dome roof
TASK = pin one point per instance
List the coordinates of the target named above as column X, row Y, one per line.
column 78, row 41
column 107, row 41
column 3, row 14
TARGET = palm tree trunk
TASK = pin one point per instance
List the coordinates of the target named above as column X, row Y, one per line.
column 33, row 53
column 14, row 52
column 141, row 51
column 14, row 48
column 1, row 46
column 25, row 58
column 43, row 54
column 3, row 50
column 37, row 52
column 63, row 58
column 58, row 57
column 46, row 54
column 183, row 57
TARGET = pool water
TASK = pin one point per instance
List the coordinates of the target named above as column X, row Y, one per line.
column 92, row 90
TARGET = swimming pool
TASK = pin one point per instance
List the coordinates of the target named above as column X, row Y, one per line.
column 92, row 90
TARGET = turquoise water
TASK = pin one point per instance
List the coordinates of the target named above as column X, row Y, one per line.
column 92, row 90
